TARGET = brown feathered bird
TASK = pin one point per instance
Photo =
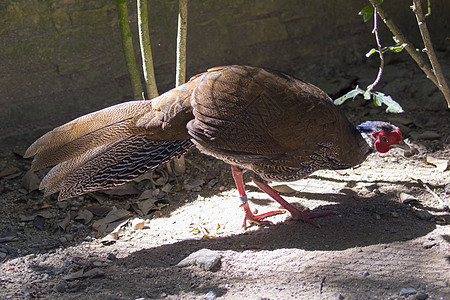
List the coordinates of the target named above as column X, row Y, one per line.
column 279, row 127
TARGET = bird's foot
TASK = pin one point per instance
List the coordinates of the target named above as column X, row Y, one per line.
column 253, row 218
column 296, row 214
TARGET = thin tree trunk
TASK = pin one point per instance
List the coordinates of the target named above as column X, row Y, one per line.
column 441, row 82
column 180, row 78
column 128, row 50
column 146, row 51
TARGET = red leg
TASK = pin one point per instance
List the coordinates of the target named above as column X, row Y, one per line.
column 249, row 216
column 296, row 214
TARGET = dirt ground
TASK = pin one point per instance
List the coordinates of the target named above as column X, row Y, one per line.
column 378, row 244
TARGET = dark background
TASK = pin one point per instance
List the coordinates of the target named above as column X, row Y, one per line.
column 61, row 59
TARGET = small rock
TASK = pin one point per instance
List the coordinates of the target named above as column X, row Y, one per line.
column 366, row 273
column 407, row 291
column 61, row 286
column 75, row 203
column 423, row 215
column 210, row 296
column 407, row 198
column 338, row 295
column 207, row 259
column 428, row 244
column 111, row 256
column 3, row 255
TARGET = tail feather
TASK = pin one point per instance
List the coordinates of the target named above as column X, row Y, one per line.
column 110, row 165
column 87, row 132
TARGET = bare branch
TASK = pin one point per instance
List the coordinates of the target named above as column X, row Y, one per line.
column 421, row 62
column 379, row 51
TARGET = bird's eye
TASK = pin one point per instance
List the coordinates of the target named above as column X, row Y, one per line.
column 384, row 139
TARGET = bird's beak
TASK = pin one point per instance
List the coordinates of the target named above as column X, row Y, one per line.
column 401, row 145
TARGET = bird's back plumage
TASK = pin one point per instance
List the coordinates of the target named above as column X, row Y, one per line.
column 278, row 126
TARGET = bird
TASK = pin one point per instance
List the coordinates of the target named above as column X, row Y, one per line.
column 255, row 119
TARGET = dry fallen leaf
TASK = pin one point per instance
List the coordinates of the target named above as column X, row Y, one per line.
column 9, row 171
column 30, row 181
column 441, row 164
column 85, row 216
column 109, row 222
column 137, row 223
column 122, row 190
column 64, row 223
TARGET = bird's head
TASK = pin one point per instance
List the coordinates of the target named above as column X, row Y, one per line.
column 382, row 136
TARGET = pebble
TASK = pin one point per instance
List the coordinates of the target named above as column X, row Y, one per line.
column 407, row 291
column 428, row 244
column 111, row 256
column 75, row 204
column 423, row 215
column 61, row 286
column 205, row 258
column 210, row 296
column 338, row 295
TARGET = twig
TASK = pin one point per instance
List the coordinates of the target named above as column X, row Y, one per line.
column 196, row 165
column 380, row 52
column 128, row 50
column 321, row 284
column 441, row 202
column 146, row 50
column 441, row 83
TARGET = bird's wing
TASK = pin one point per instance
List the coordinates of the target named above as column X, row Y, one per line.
column 255, row 113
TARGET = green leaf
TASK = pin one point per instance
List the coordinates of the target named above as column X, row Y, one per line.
column 396, row 48
column 378, row 2
column 366, row 13
column 352, row 94
column 392, row 105
column 372, row 51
